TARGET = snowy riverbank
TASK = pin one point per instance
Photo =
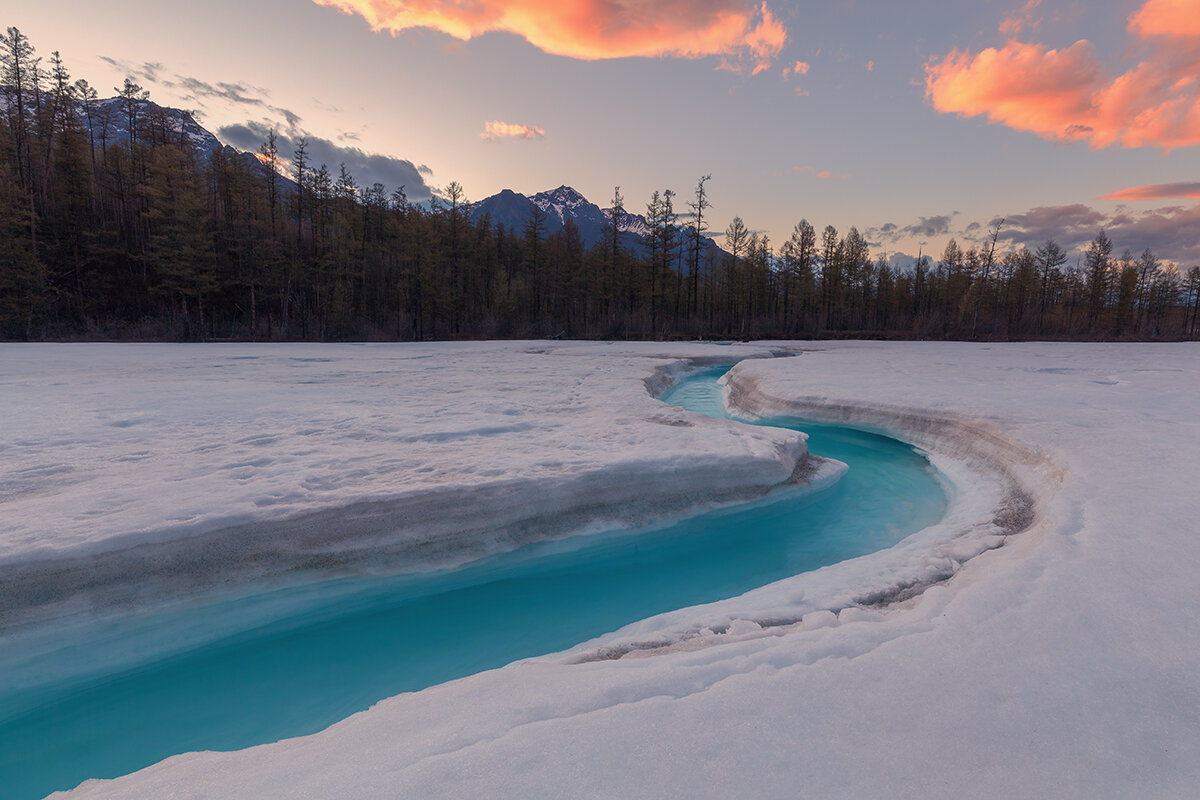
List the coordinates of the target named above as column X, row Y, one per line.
column 1061, row 664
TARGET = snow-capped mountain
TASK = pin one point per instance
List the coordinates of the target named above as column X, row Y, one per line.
column 110, row 123
column 513, row 210
column 109, row 120
column 565, row 203
column 110, row 127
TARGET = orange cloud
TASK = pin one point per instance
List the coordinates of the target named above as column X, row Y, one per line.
column 1069, row 95
column 823, row 174
column 799, row 68
column 1158, row 191
column 495, row 130
column 1018, row 22
column 744, row 32
column 1175, row 18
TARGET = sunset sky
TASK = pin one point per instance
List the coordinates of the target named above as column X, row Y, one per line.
column 913, row 121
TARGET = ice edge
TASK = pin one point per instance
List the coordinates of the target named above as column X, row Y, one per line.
column 1000, row 489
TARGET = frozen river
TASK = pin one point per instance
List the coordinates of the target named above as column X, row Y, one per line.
column 293, row 661
column 1034, row 642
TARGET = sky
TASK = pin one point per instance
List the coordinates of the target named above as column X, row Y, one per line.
column 914, row 122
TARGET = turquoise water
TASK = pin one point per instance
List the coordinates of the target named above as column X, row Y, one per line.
column 329, row 651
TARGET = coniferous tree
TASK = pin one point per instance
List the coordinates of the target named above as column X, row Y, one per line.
column 133, row 97
column 18, row 76
column 1098, row 262
column 699, row 205
column 1049, row 259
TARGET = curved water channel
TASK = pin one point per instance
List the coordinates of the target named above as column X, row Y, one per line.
column 315, row 655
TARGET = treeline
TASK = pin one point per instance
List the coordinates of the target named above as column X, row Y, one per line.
column 142, row 237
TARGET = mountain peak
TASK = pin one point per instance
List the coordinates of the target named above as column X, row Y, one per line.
column 564, row 195
column 513, row 210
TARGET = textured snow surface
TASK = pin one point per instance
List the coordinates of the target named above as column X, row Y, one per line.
column 1062, row 664
column 138, row 471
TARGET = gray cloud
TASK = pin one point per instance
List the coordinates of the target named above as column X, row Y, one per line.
column 929, row 227
column 146, row 71
column 198, row 91
column 923, row 228
column 231, row 92
column 367, row 168
column 1067, row 225
column 236, row 93
column 901, row 262
column 1170, row 232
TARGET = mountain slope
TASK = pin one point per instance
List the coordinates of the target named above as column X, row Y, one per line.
column 110, row 124
column 513, row 210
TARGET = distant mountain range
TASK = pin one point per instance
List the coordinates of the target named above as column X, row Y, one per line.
column 110, row 124
column 514, row 210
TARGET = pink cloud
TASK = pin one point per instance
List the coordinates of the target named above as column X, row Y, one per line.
column 495, row 131
column 1159, row 191
column 1174, row 18
column 1068, row 94
column 823, row 174
column 744, row 32
column 1013, row 25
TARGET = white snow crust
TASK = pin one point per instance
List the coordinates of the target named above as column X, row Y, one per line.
column 1060, row 664
column 135, row 472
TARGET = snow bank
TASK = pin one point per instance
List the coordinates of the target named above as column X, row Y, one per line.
column 144, row 472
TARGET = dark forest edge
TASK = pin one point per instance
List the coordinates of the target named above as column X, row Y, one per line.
column 143, row 238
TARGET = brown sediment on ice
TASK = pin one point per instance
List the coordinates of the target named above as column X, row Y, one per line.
column 1019, row 479
column 1022, row 471
column 1026, row 477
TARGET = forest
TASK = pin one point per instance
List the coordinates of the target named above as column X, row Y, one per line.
column 141, row 237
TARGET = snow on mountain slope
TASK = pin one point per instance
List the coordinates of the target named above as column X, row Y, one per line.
column 110, row 124
column 513, row 210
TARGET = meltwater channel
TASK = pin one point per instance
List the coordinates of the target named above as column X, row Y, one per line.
column 326, row 652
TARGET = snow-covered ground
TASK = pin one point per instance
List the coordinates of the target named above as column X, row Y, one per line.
column 134, row 472
column 1061, row 664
